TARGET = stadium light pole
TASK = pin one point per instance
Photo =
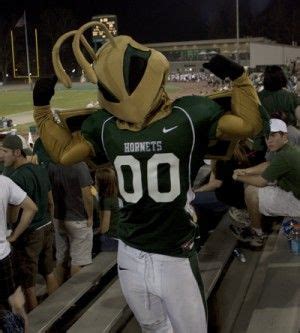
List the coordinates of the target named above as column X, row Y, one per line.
column 237, row 31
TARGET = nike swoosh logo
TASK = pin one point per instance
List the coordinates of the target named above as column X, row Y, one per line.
column 122, row 268
column 167, row 130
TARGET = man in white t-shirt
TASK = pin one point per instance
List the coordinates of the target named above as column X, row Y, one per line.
column 12, row 194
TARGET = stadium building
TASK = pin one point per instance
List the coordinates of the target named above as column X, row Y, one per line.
column 252, row 52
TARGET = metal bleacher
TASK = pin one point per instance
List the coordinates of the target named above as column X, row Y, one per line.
column 261, row 295
column 42, row 317
column 278, row 307
column 110, row 312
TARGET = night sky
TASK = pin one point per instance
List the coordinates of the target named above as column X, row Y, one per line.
column 152, row 21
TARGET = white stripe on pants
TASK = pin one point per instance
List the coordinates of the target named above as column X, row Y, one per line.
column 161, row 291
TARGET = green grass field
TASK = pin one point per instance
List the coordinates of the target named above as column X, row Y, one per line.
column 15, row 99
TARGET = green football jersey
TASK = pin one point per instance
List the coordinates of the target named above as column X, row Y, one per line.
column 156, row 168
column 34, row 180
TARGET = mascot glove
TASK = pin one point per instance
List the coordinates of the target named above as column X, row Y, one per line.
column 43, row 91
column 223, row 67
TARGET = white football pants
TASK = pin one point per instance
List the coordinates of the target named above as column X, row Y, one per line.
column 162, row 291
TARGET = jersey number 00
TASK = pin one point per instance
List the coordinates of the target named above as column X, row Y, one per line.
column 152, row 177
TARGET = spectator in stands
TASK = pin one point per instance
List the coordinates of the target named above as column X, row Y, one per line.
column 274, row 186
column 73, row 217
column 226, row 191
column 209, row 210
column 10, row 291
column 34, row 249
column 106, row 185
column 279, row 101
column 27, row 151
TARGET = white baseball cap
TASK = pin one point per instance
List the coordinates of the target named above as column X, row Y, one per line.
column 278, row 125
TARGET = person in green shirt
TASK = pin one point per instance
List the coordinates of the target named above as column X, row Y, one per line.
column 277, row 100
column 34, row 248
column 108, row 205
column 273, row 186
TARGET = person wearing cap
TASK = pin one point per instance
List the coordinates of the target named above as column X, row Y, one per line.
column 27, row 152
column 273, row 186
column 34, row 248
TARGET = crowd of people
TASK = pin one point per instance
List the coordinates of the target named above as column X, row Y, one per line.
column 48, row 217
column 48, row 208
column 211, row 82
column 262, row 177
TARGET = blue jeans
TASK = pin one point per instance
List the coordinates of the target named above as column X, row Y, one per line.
column 208, row 201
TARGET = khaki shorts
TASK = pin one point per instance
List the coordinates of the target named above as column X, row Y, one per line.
column 73, row 239
column 34, row 253
column 273, row 201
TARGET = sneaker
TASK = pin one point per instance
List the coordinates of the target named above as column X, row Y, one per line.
column 241, row 216
column 257, row 240
column 247, row 235
column 244, row 234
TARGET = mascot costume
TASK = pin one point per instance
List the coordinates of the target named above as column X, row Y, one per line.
column 156, row 146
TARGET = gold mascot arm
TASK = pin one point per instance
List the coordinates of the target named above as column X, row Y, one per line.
column 245, row 118
column 62, row 146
